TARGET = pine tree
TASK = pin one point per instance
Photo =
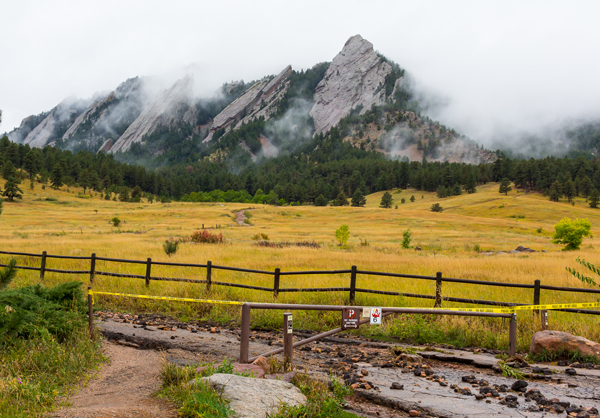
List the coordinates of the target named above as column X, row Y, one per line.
column 12, row 190
column 570, row 190
column 594, row 198
column 505, row 186
column 56, row 176
column 341, row 199
column 555, row 191
column 386, row 201
column 471, row 183
column 8, row 170
column 358, row 199
column 412, row 198
column 321, row 200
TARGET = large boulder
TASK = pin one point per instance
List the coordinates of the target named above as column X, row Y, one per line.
column 558, row 340
column 255, row 398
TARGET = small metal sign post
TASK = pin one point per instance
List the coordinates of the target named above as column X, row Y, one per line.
column 375, row 316
column 350, row 318
column 288, row 341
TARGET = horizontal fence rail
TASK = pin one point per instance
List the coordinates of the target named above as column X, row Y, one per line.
column 352, row 289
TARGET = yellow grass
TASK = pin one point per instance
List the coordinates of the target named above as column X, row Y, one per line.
column 76, row 226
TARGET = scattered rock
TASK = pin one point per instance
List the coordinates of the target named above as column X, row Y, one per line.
column 571, row 371
column 397, row 386
column 519, row 386
column 558, row 340
column 254, row 398
column 414, row 413
column 263, row 363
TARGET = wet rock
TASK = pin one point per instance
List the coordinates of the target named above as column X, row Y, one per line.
column 519, row 386
column 558, row 341
column 397, row 386
column 571, row 371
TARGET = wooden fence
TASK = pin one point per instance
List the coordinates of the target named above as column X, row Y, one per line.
column 277, row 274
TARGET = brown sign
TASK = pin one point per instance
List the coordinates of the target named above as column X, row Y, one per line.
column 350, row 318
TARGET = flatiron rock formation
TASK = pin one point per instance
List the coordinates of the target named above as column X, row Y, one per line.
column 355, row 77
column 259, row 100
column 163, row 110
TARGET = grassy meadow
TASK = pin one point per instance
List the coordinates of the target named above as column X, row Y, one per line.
column 451, row 242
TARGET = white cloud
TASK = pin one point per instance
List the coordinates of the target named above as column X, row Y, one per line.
column 504, row 66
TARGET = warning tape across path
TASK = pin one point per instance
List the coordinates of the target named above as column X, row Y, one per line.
column 506, row 310
column 215, row 302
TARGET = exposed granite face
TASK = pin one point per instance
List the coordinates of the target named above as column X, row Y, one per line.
column 355, row 77
column 41, row 134
column 163, row 110
column 259, row 100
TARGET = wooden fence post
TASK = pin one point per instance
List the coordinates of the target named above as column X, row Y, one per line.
column 276, row 283
column 208, row 275
column 512, row 335
column 536, row 295
column 245, row 334
column 148, row 270
column 438, row 290
column 288, row 342
column 352, row 284
column 92, row 268
column 43, row 266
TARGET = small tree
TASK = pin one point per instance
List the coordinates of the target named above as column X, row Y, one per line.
column 116, row 221
column 341, row 199
column 505, row 186
column 386, row 201
column 342, row 234
column 358, row 199
column 406, row 238
column 170, row 246
column 436, row 208
column 470, row 187
column 412, row 198
column 56, row 176
column 571, row 233
column 12, row 190
column 321, row 200
column 124, row 195
column 594, row 198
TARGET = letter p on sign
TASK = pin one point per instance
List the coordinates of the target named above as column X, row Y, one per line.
column 376, row 316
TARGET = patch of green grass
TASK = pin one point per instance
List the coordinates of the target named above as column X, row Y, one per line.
column 34, row 373
column 197, row 400
column 573, row 356
column 322, row 402
column 508, row 371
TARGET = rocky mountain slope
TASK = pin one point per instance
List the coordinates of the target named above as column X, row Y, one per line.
column 366, row 96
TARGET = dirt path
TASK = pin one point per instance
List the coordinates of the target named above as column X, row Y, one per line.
column 241, row 217
column 123, row 387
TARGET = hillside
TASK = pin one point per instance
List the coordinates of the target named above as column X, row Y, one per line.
column 367, row 96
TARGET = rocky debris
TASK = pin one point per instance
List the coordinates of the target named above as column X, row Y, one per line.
column 354, row 78
column 520, row 249
column 259, row 100
column 519, row 386
column 255, row 398
column 166, row 108
column 397, row 386
column 558, row 341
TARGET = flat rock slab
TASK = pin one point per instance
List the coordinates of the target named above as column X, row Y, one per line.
column 433, row 399
column 255, row 398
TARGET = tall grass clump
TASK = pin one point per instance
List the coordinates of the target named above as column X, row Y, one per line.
column 45, row 347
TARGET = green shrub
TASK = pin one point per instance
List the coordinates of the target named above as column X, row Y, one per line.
column 436, row 208
column 170, row 246
column 406, row 238
column 30, row 311
column 8, row 274
column 116, row 221
column 342, row 234
column 571, row 233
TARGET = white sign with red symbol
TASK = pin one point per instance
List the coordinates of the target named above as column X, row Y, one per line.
column 376, row 316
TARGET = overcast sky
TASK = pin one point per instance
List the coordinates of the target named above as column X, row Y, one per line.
column 502, row 66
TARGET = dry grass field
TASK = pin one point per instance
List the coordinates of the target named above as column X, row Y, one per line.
column 451, row 242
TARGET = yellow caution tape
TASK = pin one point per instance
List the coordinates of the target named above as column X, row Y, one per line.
column 508, row 309
column 215, row 302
